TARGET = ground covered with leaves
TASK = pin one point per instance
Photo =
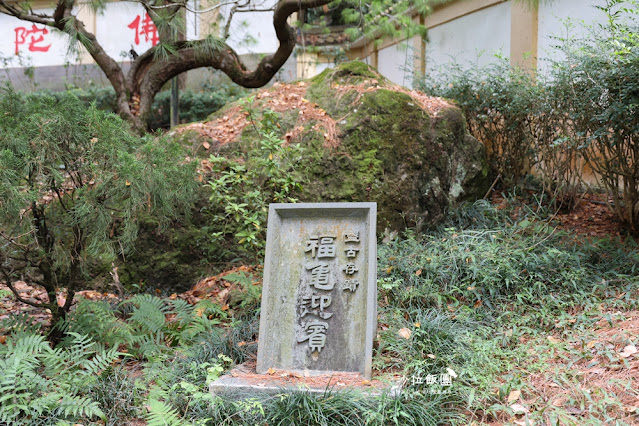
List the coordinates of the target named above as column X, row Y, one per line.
column 532, row 323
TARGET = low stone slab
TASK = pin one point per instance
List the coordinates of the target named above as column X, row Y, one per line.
column 245, row 382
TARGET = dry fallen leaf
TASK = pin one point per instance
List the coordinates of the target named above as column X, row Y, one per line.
column 519, row 409
column 627, row 351
column 559, row 402
column 206, row 145
column 553, row 340
column 405, row 333
column 514, row 396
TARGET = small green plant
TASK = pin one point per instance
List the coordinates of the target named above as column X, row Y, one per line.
column 243, row 187
column 118, row 395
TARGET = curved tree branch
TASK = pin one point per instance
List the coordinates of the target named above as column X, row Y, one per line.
column 8, row 9
column 149, row 74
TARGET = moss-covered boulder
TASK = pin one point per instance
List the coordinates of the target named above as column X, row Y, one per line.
column 367, row 139
column 363, row 139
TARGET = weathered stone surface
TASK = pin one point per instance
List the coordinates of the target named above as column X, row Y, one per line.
column 367, row 139
column 319, row 291
column 415, row 163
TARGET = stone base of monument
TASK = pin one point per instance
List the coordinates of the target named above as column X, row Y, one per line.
column 244, row 381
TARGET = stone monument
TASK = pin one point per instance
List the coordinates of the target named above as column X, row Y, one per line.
column 319, row 296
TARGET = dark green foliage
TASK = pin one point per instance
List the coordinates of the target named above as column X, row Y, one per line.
column 194, row 105
column 525, row 264
column 73, row 183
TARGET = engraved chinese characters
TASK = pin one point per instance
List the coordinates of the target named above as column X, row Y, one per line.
column 325, row 247
column 319, row 292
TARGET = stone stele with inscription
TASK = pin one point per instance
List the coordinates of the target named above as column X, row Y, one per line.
column 319, row 297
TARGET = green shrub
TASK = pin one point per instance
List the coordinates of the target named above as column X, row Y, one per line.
column 242, row 187
column 597, row 85
column 496, row 101
column 73, row 183
column 193, row 106
column 584, row 111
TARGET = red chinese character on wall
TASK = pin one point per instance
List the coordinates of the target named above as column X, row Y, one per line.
column 21, row 38
column 146, row 28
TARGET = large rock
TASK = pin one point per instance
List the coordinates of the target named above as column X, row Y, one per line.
column 409, row 153
column 367, row 139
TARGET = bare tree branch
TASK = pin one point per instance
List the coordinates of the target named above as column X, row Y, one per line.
column 21, row 299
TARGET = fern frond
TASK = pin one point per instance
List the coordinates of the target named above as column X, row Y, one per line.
column 148, row 312
column 73, row 406
column 99, row 320
column 183, row 310
column 160, row 414
column 20, row 324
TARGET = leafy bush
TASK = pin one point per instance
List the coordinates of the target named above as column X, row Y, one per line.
column 193, row 106
column 583, row 112
column 598, row 87
column 73, row 182
column 496, row 101
column 242, row 187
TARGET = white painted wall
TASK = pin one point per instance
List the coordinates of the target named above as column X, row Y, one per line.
column 562, row 19
column 471, row 39
column 252, row 32
column 396, row 63
column 113, row 32
column 15, row 33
